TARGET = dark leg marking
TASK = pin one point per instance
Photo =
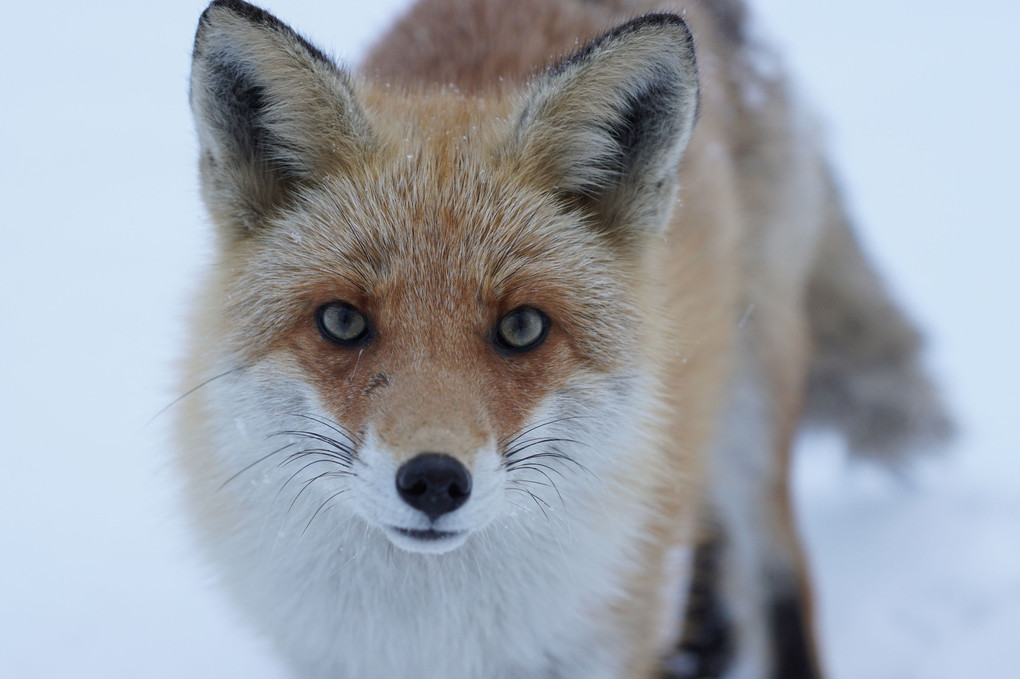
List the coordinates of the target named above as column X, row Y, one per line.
column 706, row 646
column 791, row 642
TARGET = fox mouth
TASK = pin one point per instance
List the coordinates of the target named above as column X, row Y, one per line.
column 429, row 534
column 426, row 541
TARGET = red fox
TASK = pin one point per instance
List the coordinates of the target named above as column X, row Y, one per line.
column 508, row 336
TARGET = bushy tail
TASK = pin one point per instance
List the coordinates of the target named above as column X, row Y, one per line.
column 866, row 378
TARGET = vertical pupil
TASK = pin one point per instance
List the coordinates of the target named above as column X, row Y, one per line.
column 521, row 324
column 345, row 320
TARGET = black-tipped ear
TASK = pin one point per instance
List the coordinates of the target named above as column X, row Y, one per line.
column 272, row 111
column 606, row 127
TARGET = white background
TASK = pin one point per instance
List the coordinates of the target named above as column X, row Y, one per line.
column 102, row 234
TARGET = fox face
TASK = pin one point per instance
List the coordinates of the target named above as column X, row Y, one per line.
column 434, row 307
column 426, row 353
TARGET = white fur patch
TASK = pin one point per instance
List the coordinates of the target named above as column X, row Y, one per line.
column 741, row 474
column 528, row 594
column 675, row 588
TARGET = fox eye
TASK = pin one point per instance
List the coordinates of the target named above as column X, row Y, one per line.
column 522, row 329
column 342, row 324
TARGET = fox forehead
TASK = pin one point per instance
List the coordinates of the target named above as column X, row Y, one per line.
column 434, row 197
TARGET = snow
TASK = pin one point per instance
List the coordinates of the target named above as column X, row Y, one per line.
column 104, row 236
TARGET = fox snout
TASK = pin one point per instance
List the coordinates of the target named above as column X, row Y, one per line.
column 434, row 483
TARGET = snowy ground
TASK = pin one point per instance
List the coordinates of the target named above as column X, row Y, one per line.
column 102, row 234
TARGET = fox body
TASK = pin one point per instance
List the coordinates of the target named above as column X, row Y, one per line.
column 497, row 338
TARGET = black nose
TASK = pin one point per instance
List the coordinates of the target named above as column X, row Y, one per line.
column 434, row 483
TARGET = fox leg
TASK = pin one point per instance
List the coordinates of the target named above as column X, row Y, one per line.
column 790, row 604
column 749, row 613
column 772, row 640
column 706, row 645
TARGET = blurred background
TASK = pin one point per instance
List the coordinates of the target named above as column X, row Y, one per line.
column 102, row 236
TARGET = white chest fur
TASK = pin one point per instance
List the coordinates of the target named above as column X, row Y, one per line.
column 529, row 598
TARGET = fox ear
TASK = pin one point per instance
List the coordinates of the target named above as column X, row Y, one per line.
column 272, row 112
column 606, row 127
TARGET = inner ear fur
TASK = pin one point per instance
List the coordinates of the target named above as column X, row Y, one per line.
column 606, row 127
column 272, row 111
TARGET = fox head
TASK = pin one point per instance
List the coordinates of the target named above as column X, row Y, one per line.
column 433, row 308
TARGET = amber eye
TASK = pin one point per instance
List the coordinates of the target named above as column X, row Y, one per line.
column 522, row 329
column 341, row 323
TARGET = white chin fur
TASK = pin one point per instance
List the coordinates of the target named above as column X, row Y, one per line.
column 426, row 544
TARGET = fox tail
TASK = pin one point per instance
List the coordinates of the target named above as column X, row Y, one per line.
column 866, row 378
